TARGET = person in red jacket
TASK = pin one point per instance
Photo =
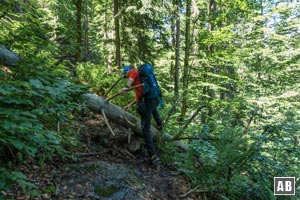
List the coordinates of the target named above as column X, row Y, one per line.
column 146, row 108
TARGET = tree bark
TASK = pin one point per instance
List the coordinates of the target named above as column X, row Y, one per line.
column 86, row 32
column 79, row 29
column 126, row 119
column 7, row 57
column 173, row 25
column 207, row 91
column 117, row 34
column 177, row 51
column 187, row 48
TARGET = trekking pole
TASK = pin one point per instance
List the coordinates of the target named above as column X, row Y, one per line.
column 113, row 86
column 131, row 88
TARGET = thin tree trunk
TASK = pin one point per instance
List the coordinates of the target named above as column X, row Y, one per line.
column 105, row 37
column 211, row 93
column 79, row 31
column 207, row 91
column 173, row 41
column 117, row 34
column 186, row 59
column 212, row 10
column 177, row 52
column 189, row 121
column 173, row 25
column 86, row 32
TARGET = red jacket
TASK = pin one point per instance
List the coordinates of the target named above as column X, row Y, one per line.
column 134, row 75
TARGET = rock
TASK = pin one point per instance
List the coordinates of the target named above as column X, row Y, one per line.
column 46, row 196
column 102, row 180
column 135, row 145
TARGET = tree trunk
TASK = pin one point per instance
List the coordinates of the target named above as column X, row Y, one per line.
column 7, row 57
column 212, row 13
column 177, row 52
column 79, row 31
column 86, row 32
column 105, row 38
column 117, row 34
column 207, row 91
column 126, row 119
column 186, row 60
column 173, row 25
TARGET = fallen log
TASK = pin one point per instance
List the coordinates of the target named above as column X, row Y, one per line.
column 7, row 57
column 126, row 119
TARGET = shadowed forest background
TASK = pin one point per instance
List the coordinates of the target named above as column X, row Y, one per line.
column 228, row 71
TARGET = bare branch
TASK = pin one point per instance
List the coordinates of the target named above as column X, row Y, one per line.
column 189, row 121
column 106, row 122
column 192, row 190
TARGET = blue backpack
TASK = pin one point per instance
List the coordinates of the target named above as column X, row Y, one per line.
column 150, row 88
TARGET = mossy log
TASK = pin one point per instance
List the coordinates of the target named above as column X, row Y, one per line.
column 126, row 119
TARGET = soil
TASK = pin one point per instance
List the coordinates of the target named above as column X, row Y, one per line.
column 103, row 168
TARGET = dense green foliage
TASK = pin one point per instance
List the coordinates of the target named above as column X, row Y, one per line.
column 242, row 68
column 37, row 101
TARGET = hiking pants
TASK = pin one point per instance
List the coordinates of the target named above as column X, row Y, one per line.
column 146, row 109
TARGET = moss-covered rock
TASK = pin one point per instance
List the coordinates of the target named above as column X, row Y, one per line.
column 49, row 189
column 106, row 191
column 103, row 179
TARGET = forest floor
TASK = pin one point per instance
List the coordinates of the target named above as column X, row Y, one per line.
column 103, row 168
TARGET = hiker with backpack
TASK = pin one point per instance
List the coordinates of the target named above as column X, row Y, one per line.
column 147, row 98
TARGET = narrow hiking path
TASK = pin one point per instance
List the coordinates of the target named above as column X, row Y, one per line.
column 104, row 169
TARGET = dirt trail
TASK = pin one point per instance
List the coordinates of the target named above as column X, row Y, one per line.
column 107, row 177
column 154, row 181
column 104, row 169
